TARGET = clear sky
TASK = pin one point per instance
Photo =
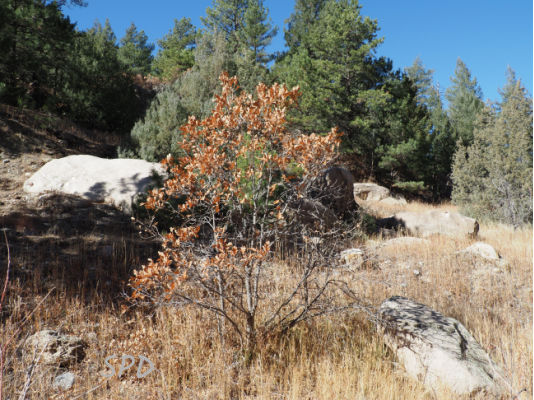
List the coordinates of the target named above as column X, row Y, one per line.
column 488, row 35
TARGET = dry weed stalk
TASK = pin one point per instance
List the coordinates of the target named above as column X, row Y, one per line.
column 5, row 345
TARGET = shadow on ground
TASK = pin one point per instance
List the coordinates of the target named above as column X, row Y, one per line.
column 16, row 138
column 74, row 245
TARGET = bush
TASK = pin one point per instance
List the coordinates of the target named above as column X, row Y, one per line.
column 157, row 134
column 234, row 190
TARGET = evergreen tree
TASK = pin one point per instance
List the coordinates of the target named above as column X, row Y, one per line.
column 405, row 145
column 305, row 14
column 235, row 41
column 331, row 57
column 61, row 3
column 493, row 176
column 98, row 90
column 465, row 101
column 227, row 17
column 157, row 134
column 135, row 52
column 423, row 80
column 247, row 30
column 176, row 50
column 35, row 39
column 330, row 60
column 254, row 36
column 442, row 140
column 198, row 85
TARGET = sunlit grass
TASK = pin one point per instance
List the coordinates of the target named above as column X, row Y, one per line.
column 334, row 357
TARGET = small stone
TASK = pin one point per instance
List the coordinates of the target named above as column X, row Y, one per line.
column 64, row 381
column 92, row 337
column 6, row 161
column 353, row 257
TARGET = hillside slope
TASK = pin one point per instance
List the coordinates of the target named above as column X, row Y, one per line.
column 57, row 234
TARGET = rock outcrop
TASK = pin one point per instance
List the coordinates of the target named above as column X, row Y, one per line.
column 433, row 222
column 370, row 192
column 115, row 181
column 438, row 350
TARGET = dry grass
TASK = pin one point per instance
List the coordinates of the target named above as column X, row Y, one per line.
column 385, row 210
column 334, row 357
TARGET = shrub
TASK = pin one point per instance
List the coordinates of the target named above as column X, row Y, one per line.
column 157, row 134
column 235, row 190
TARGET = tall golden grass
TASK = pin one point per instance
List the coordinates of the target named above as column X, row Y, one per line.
column 332, row 357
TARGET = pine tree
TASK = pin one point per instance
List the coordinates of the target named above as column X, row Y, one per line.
column 176, row 50
column 465, row 101
column 331, row 56
column 135, row 52
column 98, row 90
column 423, row 80
column 227, row 17
column 35, row 40
column 254, row 37
column 331, row 61
column 493, row 176
column 442, row 139
column 305, row 14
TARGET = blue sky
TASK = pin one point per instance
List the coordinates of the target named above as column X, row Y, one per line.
column 488, row 35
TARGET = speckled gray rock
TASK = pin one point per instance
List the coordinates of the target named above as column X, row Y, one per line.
column 438, row 350
column 55, row 349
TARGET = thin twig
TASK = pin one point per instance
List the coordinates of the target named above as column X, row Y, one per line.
column 4, row 346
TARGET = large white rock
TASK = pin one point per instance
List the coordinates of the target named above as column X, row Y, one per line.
column 436, row 222
column 438, row 350
column 116, row 181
